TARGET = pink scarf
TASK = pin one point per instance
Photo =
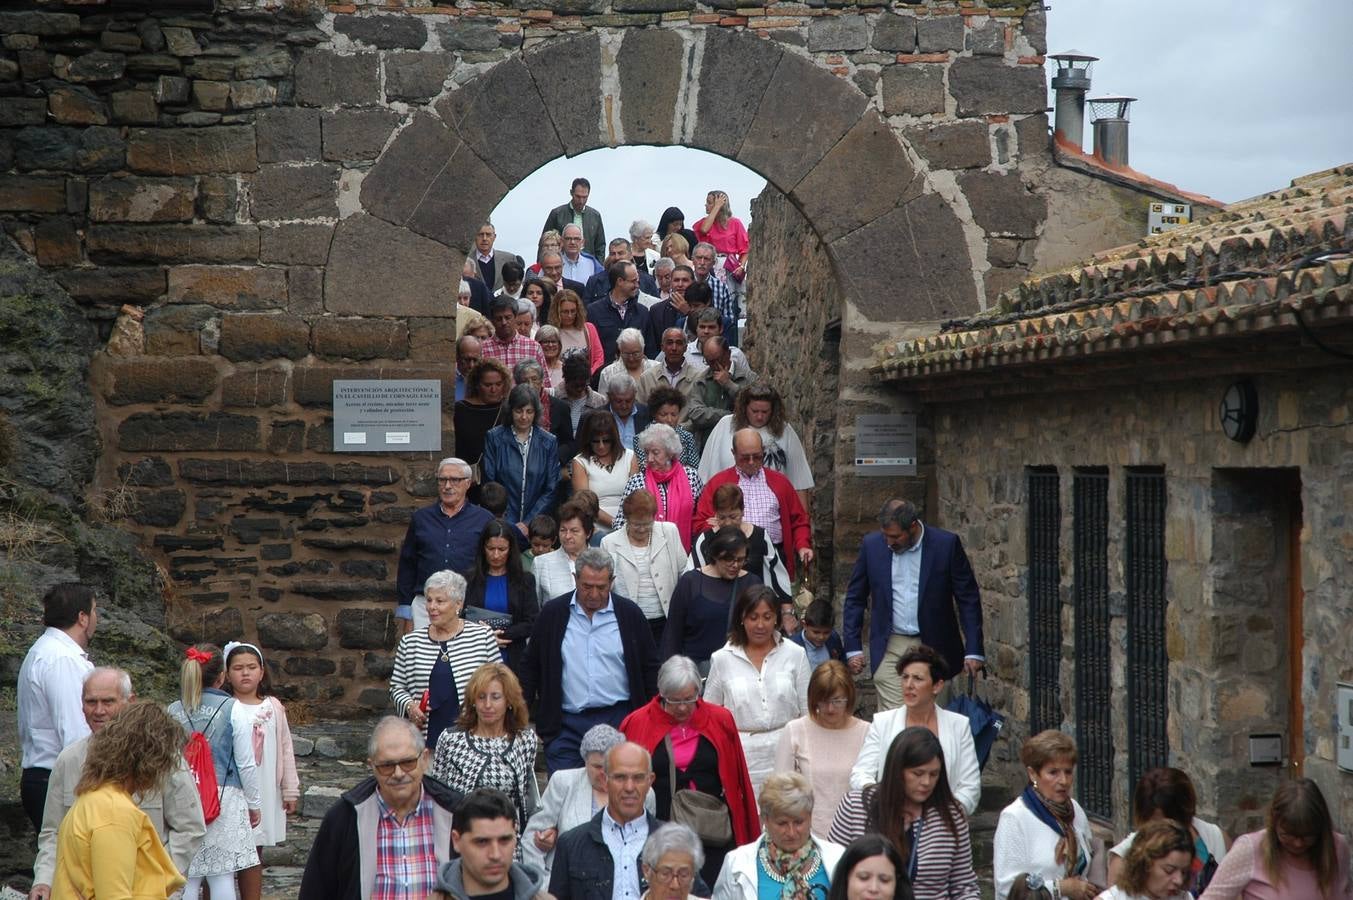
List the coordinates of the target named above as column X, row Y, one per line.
column 680, row 505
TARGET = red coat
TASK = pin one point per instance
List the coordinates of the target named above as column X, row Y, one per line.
column 648, row 726
column 794, row 525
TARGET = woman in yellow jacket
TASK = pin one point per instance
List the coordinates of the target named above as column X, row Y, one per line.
column 107, row 849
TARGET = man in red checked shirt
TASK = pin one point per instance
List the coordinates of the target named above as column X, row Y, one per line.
column 506, row 345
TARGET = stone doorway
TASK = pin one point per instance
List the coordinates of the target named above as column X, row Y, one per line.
column 811, row 134
column 1256, row 583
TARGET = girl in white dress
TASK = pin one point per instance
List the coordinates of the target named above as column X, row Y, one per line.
column 261, row 715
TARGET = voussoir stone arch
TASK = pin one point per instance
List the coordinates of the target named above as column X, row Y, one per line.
column 898, row 247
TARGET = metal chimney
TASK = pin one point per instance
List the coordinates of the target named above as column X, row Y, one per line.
column 1071, row 83
column 1109, row 116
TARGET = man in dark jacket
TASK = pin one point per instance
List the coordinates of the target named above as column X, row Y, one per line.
column 577, row 212
column 591, row 660
column 584, row 866
column 346, row 860
column 621, row 309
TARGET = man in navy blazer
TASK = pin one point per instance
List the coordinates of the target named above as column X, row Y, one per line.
column 918, row 585
column 591, row 660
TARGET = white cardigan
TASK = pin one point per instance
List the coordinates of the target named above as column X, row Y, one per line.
column 566, row 803
column 960, row 756
column 666, row 561
column 554, row 574
column 1024, row 844
column 738, row 877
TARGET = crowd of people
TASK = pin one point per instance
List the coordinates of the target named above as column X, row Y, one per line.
column 605, row 583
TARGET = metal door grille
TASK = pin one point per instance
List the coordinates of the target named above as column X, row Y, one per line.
column 1045, row 616
column 1090, row 572
column 1148, row 666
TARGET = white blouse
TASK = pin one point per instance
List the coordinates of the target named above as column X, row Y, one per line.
column 760, row 701
column 1025, row 844
column 608, row 485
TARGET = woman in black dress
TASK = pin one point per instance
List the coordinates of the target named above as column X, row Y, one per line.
column 698, row 613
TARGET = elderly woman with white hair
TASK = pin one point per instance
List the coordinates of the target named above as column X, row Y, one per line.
column 572, row 797
column 433, row 664
column 671, row 859
column 629, row 359
column 526, row 318
column 788, row 860
column 642, row 246
column 676, row 487
column 695, row 747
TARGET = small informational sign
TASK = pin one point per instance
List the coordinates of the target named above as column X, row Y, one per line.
column 1161, row 217
column 885, row 445
column 1266, row 749
column 372, row 416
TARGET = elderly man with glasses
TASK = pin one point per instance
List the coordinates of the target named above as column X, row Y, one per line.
column 389, row 835
column 442, row 535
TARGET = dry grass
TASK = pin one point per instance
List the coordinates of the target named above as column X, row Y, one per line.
column 24, row 530
column 114, row 503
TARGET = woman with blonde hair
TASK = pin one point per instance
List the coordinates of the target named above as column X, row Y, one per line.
column 823, row 744
column 727, row 234
column 677, row 249
column 568, row 313
column 493, row 744
column 106, row 846
column 1298, row 854
column 788, row 860
column 204, row 706
column 550, row 242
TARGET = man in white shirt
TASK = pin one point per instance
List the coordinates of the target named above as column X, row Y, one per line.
column 51, row 682
column 175, row 812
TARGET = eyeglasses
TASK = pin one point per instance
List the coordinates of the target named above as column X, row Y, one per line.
column 676, row 701
column 387, row 769
column 667, row 873
column 602, row 440
column 451, row 480
column 835, row 703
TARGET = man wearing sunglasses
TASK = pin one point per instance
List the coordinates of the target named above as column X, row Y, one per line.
column 390, row 834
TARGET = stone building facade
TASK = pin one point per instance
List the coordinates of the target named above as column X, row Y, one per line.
column 1152, row 586
column 252, row 198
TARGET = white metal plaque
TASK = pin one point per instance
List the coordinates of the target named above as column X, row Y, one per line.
column 378, row 415
column 885, row 445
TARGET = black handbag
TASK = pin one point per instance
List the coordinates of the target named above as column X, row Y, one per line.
column 702, row 813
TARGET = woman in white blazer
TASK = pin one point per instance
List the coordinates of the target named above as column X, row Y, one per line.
column 921, row 670
column 788, row 853
column 648, row 558
column 572, row 797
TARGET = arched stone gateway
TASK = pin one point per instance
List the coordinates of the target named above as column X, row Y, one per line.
column 250, row 199
column 810, row 133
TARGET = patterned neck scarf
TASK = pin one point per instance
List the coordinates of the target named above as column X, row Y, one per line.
column 794, row 868
column 1068, row 852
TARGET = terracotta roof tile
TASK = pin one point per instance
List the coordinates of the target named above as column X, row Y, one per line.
column 1240, row 270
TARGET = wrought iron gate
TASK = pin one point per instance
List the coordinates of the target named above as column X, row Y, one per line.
column 1094, row 690
column 1045, row 612
column 1148, row 666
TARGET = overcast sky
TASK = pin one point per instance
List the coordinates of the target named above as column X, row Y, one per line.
column 1234, row 99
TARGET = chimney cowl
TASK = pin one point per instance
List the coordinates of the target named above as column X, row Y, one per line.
column 1071, row 83
column 1109, row 117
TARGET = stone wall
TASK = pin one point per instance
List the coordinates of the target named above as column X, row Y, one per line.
column 1225, row 547
column 251, row 201
column 793, row 340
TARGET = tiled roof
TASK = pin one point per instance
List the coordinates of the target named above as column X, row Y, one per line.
column 1279, row 261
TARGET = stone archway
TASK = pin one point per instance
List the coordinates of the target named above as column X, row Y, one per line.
column 811, row 134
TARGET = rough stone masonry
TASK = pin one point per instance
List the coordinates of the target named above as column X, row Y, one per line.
column 251, row 199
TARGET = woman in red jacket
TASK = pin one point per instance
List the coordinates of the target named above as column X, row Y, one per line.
column 704, row 750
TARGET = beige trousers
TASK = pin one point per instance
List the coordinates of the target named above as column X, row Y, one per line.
column 886, row 681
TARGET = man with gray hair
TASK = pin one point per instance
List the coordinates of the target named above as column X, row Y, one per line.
column 591, row 660
column 440, row 536
column 631, row 417
column 176, row 812
column 390, row 834
column 662, row 275
column 703, row 257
